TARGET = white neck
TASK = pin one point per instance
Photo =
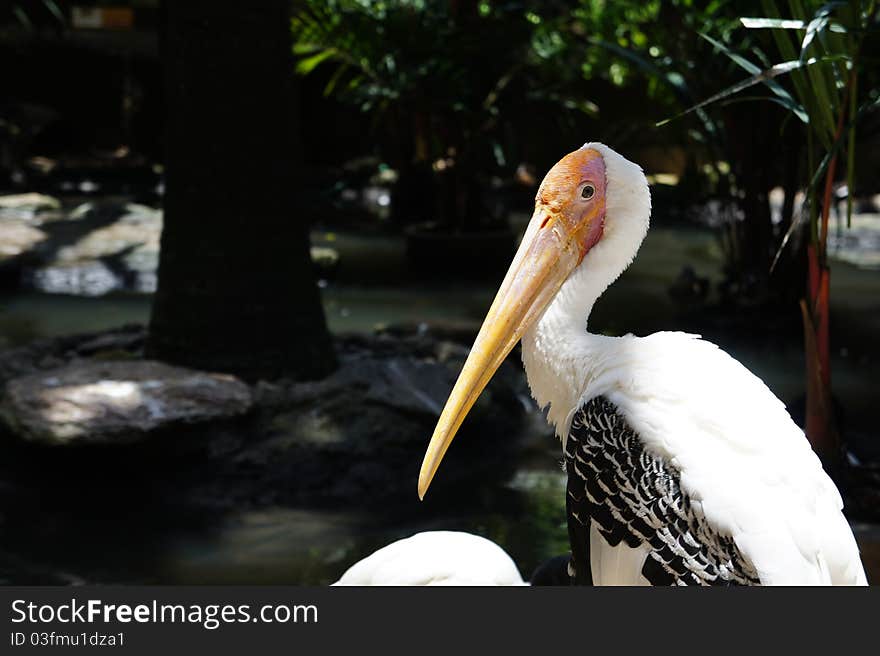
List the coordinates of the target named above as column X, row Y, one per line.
column 562, row 360
column 560, row 356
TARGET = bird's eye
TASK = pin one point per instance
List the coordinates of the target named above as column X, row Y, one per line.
column 587, row 192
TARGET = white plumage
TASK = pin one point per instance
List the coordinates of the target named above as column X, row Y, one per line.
column 742, row 460
column 436, row 558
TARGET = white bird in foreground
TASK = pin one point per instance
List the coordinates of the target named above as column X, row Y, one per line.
column 683, row 467
column 436, row 558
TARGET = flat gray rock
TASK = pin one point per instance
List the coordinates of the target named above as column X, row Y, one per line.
column 88, row 402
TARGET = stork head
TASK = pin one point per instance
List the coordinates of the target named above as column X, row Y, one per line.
column 591, row 214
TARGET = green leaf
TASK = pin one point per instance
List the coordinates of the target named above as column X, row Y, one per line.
column 822, row 87
column 791, row 105
column 777, row 89
column 759, row 77
column 305, row 48
column 23, row 18
column 816, row 25
column 646, row 65
column 53, row 9
column 743, row 63
column 671, row 79
column 772, row 23
column 810, row 191
column 786, row 46
column 334, row 79
column 307, row 65
column 762, row 77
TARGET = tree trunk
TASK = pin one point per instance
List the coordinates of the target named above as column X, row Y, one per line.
column 236, row 288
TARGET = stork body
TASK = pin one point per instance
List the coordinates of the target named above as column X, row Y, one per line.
column 683, row 467
column 436, row 558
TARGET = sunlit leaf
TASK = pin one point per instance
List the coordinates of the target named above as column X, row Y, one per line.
column 307, row 65
column 772, row 23
column 816, row 25
column 301, row 49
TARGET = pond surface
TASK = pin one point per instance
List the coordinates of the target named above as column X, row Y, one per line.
column 525, row 515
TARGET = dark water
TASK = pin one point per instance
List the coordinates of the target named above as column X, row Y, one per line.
column 83, row 524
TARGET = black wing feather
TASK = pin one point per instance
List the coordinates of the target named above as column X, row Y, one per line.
column 634, row 496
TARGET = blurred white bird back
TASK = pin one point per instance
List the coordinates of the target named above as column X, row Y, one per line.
column 436, row 558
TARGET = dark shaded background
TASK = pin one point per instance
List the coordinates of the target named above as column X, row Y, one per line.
column 331, row 236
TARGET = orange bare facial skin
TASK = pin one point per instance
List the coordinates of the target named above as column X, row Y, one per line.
column 560, row 198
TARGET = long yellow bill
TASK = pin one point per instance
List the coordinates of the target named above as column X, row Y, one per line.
column 550, row 250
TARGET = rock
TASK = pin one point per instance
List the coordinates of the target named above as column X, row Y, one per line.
column 41, row 355
column 355, row 437
column 400, row 383
column 460, row 331
column 359, row 435
column 116, row 247
column 139, row 227
column 101, row 247
column 28, row 207
column 117, row 401
column 18, row 238
column 125, row 340
column 81, row 279
column 19, row 245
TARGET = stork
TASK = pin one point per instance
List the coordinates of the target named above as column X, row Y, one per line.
column 683, row 467
column 448, row 558
column 436, row 558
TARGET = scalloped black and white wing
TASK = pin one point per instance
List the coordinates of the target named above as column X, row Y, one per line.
column 628, row 503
